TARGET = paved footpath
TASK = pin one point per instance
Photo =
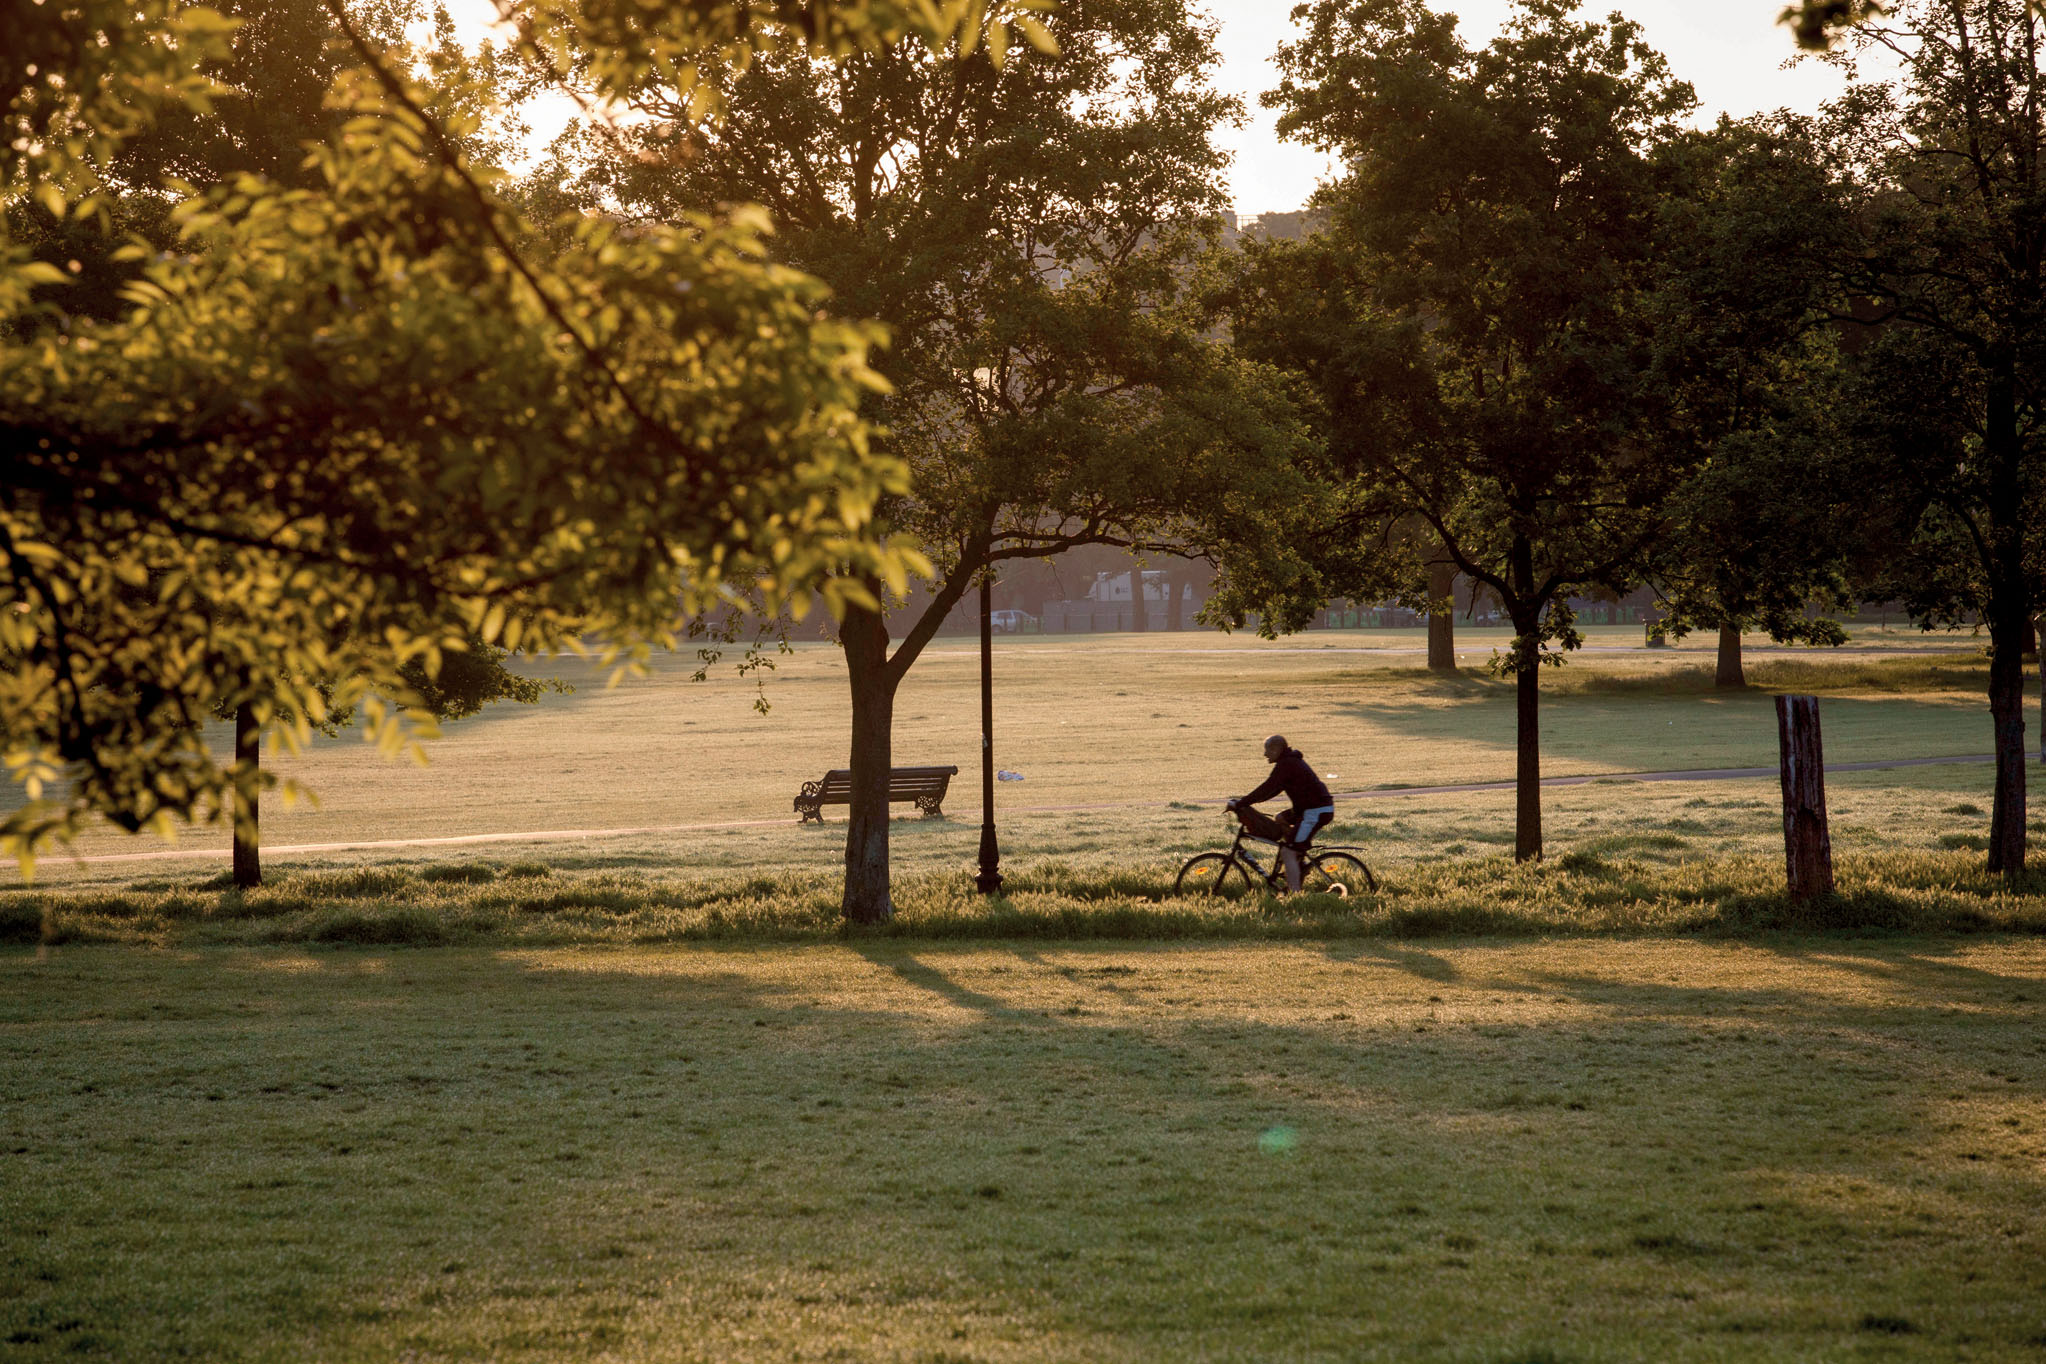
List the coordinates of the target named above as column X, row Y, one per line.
column 1376, row 793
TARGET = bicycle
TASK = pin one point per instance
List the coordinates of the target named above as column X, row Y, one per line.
column 1323, row 871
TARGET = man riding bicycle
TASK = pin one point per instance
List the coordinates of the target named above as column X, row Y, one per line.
column 1312, row 807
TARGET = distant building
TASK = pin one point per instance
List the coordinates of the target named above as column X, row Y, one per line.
column 1108, row 603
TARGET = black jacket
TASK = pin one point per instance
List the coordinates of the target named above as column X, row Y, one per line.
column 1294, row 775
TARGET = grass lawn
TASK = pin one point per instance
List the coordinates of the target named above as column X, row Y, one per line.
column 638, row 1096
column 1792, row 1149
column 1144, row 719
column 1126, row 743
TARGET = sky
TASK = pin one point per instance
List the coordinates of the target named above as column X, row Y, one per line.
column 1732, row 51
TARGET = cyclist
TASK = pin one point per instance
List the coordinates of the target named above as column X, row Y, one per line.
column 1312, row 807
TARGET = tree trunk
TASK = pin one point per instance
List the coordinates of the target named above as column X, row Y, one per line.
column 1140, row 610
column 1527, row 824
column 1175, row 609
column 1807, row 846
column 248, row 769
column 1731, row 676
column 2007, row 715
column 2010, row 618
column 864, row 637
column 1524, row 608
column 2040, row 626
column 1442, row 619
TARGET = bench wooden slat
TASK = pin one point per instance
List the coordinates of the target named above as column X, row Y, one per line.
column 926, row 786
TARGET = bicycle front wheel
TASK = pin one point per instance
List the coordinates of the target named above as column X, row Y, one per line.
column 1337, row 873
column 1212, row 874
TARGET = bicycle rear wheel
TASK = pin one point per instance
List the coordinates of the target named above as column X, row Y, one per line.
column 1212, row 874
column 1336, row 873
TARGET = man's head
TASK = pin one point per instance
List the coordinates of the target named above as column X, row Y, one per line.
column 1274, row 746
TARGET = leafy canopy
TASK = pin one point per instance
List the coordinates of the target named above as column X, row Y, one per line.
column 1473, row 313
column 1744, row 302
column 1026, row 230
column 346, row 422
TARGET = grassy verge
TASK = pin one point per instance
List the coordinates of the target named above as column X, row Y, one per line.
column 1603, row 888
column 1355, row 1150
column 1625, row 857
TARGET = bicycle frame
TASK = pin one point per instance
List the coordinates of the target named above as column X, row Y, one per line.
column 1275, row 877
column 1319, row 864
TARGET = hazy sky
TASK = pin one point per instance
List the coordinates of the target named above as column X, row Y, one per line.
column 1732, row 51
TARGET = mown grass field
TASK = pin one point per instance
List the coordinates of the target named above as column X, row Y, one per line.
column 1124, row 720
column 639, row 1096
column 1627, row 859
column 1786, row 1150
column 1127, row 744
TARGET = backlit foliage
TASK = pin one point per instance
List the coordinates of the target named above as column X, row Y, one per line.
column 340, row 429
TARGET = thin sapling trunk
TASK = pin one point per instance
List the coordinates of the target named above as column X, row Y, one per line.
column 1527, row 776
column 248, row 770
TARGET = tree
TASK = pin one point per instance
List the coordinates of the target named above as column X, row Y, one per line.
column 1820, row 23
column 1746, row 347
column 270, row 79
column 270, row 99
column 269, row 106
column 1943, row 171
column 1025, row 231
column 384, row 409
column 1477, row 330
column 1757, row 535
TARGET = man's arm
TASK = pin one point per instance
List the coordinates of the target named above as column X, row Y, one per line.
column 1270, row 787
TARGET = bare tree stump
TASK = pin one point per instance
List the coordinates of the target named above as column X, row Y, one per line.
column 1807, row 847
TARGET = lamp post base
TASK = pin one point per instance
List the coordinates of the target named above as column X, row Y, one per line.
column 990, row 878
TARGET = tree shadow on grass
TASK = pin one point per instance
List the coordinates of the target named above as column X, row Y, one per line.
column 1431, row 966
column 1924, row 968
column 772, row 1152
column 903, row 963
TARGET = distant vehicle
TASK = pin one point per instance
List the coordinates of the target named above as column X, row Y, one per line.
column 1012, row 622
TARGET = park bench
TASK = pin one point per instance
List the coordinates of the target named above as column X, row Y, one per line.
column 924, row 785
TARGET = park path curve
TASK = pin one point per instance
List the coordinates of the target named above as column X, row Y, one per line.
column 1375, row 793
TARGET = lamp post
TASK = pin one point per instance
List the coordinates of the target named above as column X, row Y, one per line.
column 990, row 878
